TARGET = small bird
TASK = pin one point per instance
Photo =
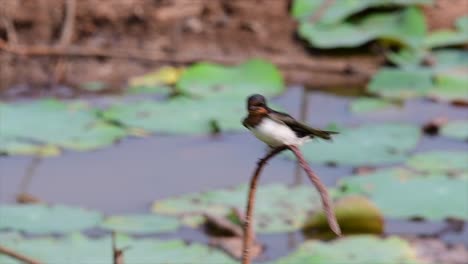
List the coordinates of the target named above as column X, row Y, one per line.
column 278, row 129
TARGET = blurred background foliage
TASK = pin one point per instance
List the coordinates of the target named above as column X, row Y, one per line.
column 88, row 75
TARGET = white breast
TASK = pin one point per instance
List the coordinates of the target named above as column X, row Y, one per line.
column 276, row 134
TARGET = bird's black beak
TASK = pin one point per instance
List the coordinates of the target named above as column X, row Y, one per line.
column 252, row 108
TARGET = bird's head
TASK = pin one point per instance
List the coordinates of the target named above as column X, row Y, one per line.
column 256, row 104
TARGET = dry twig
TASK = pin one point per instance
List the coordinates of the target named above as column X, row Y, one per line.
column 247, row 242
column 326, row 201
column 18, row 256
column 5, row 20
column 118, row 256
column 69, row 24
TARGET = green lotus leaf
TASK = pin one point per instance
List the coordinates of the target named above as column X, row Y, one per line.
column 365, row 249
column 445, row 80
column 77, row 248
column 406, row 28
column 278, row 208
column 365, row 105
column 140, row 223
column 396, row 83
column 450, row 87
column 51, row 122
column 402, row 194
column 447, row 37
column 180, row 115
column 457, row 129
column 338, row 11
column 11, row 146
column 43, row 219
column 365, row 145
column 204, row 80
column 439, row 161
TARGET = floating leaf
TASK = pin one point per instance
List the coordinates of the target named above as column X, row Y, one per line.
column 16, row 147
column 77, row 248
column 155, row 82
column 395, row 83
column 406, row 28
column 365, row 145
column 450, row 58
column 365, row 104
column 446, row 37
column 364, row 249
column 303, row 9
column 355, row 214
column 439, row 161
column 443, row 38
column 55, row 123
column 74, row 248
column 407, row 58
column 450, row 87
column 212, row 80
column 400, row 193
column 93, row 86
column 173, row 251
column 278, row 208
column 141, row 223
column 180, row 115
column 337, row 11
column 445, row 80
column 42, row 219
column 456, row 129
column 462, row 24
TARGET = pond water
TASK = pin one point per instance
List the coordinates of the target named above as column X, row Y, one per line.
column 129, row 176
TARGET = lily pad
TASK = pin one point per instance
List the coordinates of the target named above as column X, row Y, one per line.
column 365, row 145
column 204, row 80
column 355, row 214
column 43, row 219
column 450, row 58
column 445, row 80
column 364, row 249
column 450, row 87
column 407, row 58
column 456, row 129
column 77, row 248
column 74, row 248
column 141, row 223
column 180, row 115
column 446, row 37
column 365, row 105
column 93, row 86
column 443, row 38
column 277, row 208
column 406, row 28
column 158, row 81
column 401, row 194
column 396, row 83
column 440, row 161
column 173, row 251
column 52, row 122
column 340, row 10
column 11, row 146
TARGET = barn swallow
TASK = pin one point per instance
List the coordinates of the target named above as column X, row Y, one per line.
column 278, row 129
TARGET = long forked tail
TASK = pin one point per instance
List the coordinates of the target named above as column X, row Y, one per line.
column 327, row 135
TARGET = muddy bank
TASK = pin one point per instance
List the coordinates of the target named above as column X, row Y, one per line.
column 49, row 43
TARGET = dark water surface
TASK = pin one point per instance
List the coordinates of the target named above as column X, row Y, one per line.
column 129, row 176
